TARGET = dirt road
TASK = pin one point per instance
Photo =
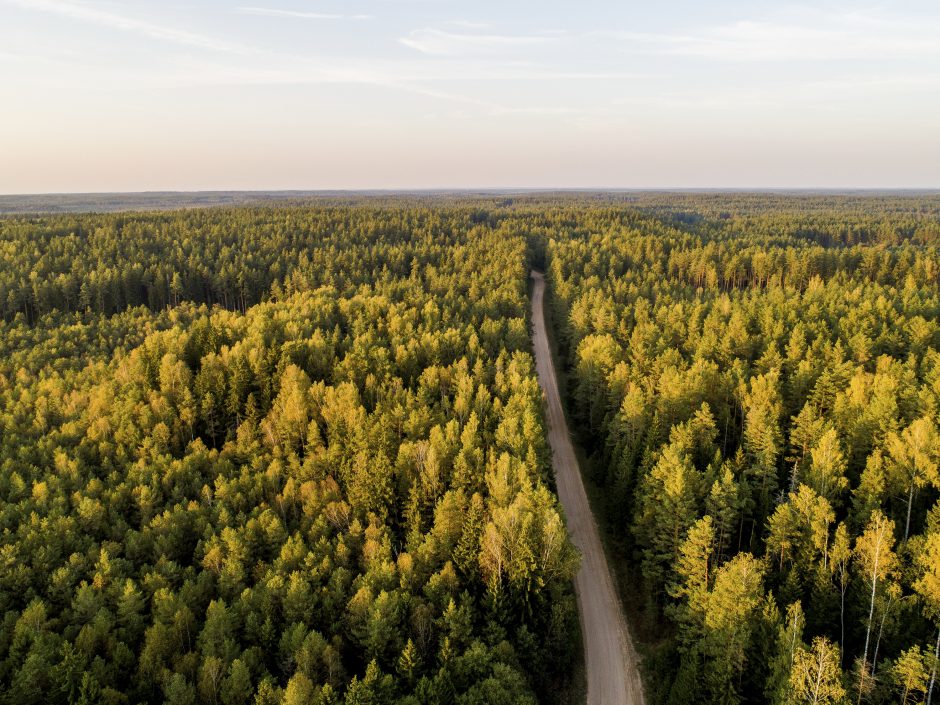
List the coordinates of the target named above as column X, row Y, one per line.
column 611, row 662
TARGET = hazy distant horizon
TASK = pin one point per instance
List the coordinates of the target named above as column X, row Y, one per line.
column 17, row 204
column 485, row 190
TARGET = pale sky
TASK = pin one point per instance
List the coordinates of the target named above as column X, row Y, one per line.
column 113, row 95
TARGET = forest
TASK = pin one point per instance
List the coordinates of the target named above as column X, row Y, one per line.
column 758, row 379
column 275, row 456
column 296, row 453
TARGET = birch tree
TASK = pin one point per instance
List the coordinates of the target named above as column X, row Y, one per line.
column 928, row 588
column 816, row 677
column 876, row 561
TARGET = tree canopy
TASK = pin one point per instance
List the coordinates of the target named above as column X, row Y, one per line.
column 759, row 379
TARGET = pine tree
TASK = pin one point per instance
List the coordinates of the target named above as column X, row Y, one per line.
column 724, row 503
column 807, row 428
column 236, row 688
column 789, row 643
column 826, row 472
column 693, row 579
column 909, row 673
column 762, row 436
column 409, row 663
column 667, row 509
column 729, row 622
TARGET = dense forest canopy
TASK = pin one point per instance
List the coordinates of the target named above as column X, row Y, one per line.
column 760, row 380
column 296, row 453
column 330, row 488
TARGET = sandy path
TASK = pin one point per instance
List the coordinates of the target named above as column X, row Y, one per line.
column 613, row 677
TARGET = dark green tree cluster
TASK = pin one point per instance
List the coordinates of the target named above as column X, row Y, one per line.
column 231, row 257
column 275, row 455
column 761, row 379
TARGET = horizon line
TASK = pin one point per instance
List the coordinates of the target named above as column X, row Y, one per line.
column 483, row 189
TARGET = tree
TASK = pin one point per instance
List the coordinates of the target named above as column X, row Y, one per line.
column 928, row 587
column 211, row 674
column 130, row 611
column 728, row 621
column 667, row 509
column 286, row 424
column 762, row 436
column 178, row 691
column 217, row 635
column 909, row 673
column 789, row 642
column 840, row 558
column 236, row 688
column 597, row 355
column 299, row 691
column 870, row 493
column 826, row 473
column 372, row 689
column 799, row 535
column 816, row 677
column 725, row 504
column 915, row 454
column 693, row 571
column 409, row 663
column 807, row 428
column 268, row 693
column 876, row 562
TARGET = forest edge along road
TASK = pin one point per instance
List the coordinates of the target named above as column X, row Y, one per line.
column 611, row 663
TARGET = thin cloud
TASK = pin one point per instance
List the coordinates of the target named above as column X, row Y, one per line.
column 813, row 37
column 299, row 14
column 812, row 96
column 468, row 24
column 441, row 43
column 415, row 78
column 7, row 56
column 416, row 75
column 111, row 20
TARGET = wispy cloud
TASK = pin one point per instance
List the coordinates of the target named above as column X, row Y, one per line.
column 112, row 20
column 821, row 95
column 300, row 14
column 441, row 43
column 468, row 24
column 808, row 36
column 793, row 35
column 8, row 56
column 432, row 81
column 416, row 76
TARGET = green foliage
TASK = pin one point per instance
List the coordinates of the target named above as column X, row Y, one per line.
column 274, row 455
column 816, row 676
column 297, row 453
column 806, row 330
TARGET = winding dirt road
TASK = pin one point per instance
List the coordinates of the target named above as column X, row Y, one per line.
column 613, row 676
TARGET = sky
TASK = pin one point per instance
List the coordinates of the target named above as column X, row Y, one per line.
column 112, row 95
